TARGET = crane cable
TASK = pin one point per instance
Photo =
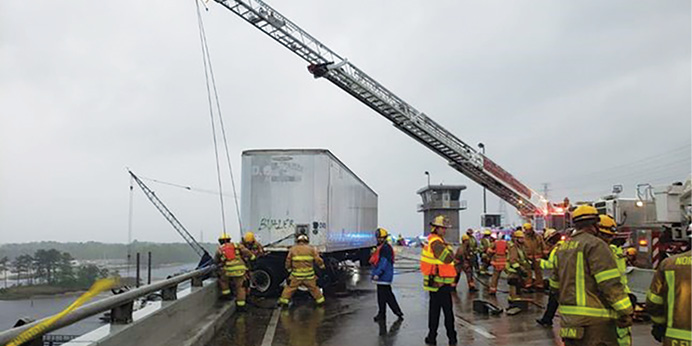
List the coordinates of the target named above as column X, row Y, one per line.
column 211, row 81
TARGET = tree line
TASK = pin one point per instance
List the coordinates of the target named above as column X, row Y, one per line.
column 50, row 267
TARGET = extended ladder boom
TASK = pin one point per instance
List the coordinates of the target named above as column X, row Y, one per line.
column 202, row 252
column 326, row 63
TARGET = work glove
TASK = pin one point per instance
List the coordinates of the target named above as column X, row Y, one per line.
column 658, row 331
column 624, row 321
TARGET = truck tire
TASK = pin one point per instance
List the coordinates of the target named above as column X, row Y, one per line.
column 266, row 280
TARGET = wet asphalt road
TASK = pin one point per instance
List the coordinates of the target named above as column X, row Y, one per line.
column 346, row 319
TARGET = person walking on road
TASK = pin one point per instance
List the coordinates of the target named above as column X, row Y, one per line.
column 593, row 302
column 231, row 258
column 668, row 301
column 437, row 267
column 300, row 263
column 498, row 253
column 518, row 267
column 382, row 261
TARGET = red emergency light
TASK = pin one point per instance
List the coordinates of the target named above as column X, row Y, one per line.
column 559, row 210
column 643, row 242
column 563, row 238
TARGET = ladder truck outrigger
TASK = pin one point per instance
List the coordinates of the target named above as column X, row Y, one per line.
column 325, row 63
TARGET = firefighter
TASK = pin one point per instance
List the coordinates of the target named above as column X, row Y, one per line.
column 486, row 243
column 437, row 267
column 253, row 245
column 475, row 249
column 300, row 263
column 552, row 240
column 533, row 245
column 382, row 261
column 631, row 254
column 232, row 259
column 593, row 302
column 668, row 301
column 607, row 229
column 498, row 253
column 462, row 262
column 518, row 266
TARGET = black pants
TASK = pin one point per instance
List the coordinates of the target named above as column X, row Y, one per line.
column 386, row 296
column 441, row 300
column 550, row 310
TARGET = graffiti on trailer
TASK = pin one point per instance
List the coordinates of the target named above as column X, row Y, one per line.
column 275, row 224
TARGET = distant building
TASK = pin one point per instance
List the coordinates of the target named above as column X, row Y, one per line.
column 442, row 200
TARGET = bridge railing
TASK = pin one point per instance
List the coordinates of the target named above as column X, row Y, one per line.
column 120, row 305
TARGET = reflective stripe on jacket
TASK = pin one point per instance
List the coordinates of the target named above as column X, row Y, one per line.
column 437, row 264
column 232, row 257
column 590, row 290
column 300, row 261
column 517, row 258
column 669, row 298
column 550, row 264
column 621, row 261
column 533, row 245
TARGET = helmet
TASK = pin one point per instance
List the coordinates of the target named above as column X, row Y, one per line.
column 549, row 233
column 224, row 236
column 631, row 251
column 487, row 232
column 464, row 237
column 518, row 234
column 585, row 213
column 440, row 221
column 469, row 231
column 527, row 226
column 303, row 238
column 607, row 225
column 382, row 233
column 249, row 237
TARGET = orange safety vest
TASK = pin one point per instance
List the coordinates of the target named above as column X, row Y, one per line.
column 431, row 266
column 499, row 261
column 228, row 251
column 375, row 257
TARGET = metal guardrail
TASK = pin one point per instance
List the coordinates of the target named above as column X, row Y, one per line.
column 119, row 305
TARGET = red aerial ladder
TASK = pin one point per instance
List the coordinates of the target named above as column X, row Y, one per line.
column 325, row 63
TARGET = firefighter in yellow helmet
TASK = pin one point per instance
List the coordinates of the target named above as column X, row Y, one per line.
column 669, row 299
column 463, row 262
column 300, row 263
column 631, row 254
column 593, row 302
column 534, row 246
column 437, row 267
column 253, row 245
column 607, row 229
column 232, row 260
column 486, row 244
column 518, row 265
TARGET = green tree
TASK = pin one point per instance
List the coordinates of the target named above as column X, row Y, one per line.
column 66, row 271
column 22, row 264
column 4, row 266
column 88, row 274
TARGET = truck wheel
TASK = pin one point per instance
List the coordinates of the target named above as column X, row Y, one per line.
column 265, row 281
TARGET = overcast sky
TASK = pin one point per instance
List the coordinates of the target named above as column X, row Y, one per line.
column 581, row 95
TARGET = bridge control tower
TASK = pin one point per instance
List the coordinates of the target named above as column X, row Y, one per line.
column 442, row 200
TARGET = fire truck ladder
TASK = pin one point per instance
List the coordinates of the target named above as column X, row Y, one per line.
column 327, row 64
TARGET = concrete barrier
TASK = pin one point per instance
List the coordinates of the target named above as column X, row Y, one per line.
column 192, row 319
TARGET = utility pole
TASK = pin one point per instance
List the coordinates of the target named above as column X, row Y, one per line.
column 546, row 189
column 485, row 209
column 428, row 174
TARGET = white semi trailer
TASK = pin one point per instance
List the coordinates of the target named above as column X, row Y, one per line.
column 305, row 191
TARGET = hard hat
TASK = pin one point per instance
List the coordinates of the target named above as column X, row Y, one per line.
column 487, row 232
column 440, row 221
column 549, row 233
column 464, row 237
column 518, row 234
column 303, row 238
column 382, row 233
column 585, row 213
column 527, row 226
column 631, row 251
column 224, row 236
column 607, row 225
column 249, row 237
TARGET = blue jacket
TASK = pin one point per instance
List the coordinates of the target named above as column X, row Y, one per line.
column 384, row 269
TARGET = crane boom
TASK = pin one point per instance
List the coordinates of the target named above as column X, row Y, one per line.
column 327, row 64
column 201, row 251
